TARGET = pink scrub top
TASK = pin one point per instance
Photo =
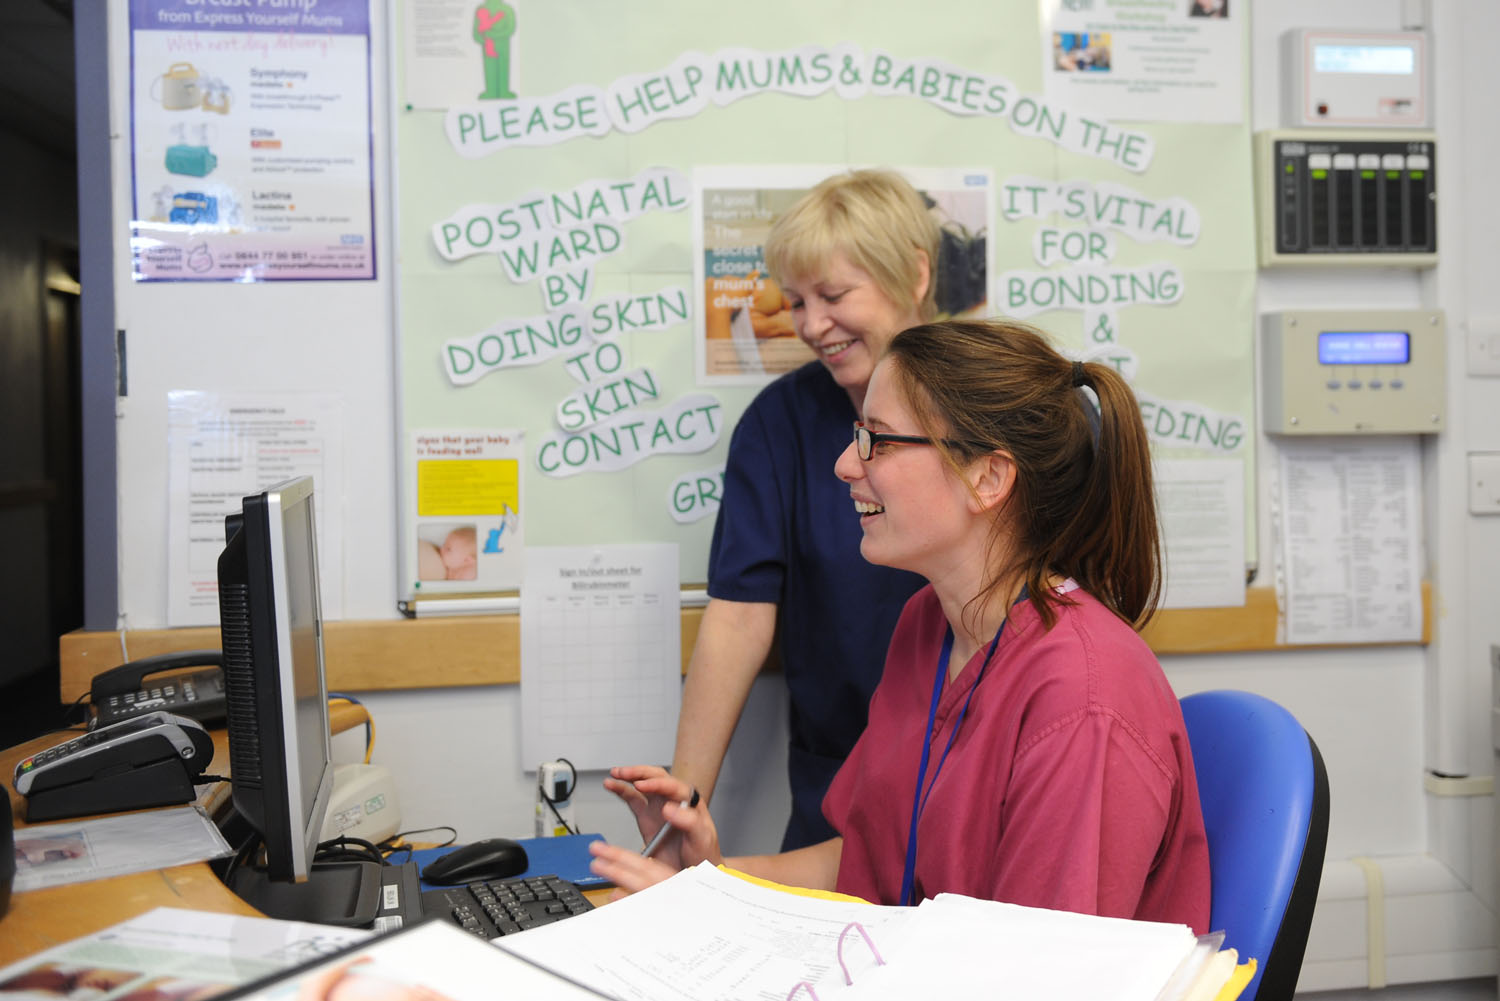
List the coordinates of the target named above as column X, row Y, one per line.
column 1069, row 784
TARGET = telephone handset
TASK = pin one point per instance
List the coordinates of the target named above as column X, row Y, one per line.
column 122, row 692
column 149, row 760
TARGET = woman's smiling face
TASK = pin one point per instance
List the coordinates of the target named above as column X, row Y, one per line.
column 913, row 508
column 847, row 319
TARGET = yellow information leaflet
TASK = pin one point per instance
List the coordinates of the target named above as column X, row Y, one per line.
column 464, row 486
column 465, row 511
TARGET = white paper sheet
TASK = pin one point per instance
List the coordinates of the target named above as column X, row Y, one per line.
column 173, row 953
column 601, row 654
column 1349, row 516
column 80, row 850
column 1201, row 505
column 445, row 53
column 706, row 934
column 223, row 447
column 1180, row 62
column 980, row 948
column 711, row 935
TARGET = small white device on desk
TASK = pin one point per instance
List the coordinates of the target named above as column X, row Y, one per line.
column 1353, row 371
column 554, row 798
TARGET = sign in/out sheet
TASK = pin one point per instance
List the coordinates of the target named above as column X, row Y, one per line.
column 601, row 654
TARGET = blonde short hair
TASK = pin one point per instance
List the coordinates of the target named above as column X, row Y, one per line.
column 876, row 219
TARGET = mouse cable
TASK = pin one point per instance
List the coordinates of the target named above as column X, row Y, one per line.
column 567, row 795
column 68, row 712
column 348, row 849
column 397, row 842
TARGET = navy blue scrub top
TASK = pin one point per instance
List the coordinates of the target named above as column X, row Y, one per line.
column 787, row 533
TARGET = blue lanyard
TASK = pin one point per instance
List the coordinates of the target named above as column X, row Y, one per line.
column 919, row 801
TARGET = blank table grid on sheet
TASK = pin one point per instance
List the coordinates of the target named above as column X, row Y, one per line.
column 600, row 664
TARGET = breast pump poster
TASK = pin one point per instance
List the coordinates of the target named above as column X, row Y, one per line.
column 250, row 140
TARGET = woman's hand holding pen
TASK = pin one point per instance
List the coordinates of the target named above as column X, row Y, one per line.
column 676, row 826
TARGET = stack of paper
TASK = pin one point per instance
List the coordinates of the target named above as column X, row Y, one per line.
column 702, row 934
column 709, row 934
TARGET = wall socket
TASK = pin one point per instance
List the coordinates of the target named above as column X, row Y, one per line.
column 1483, row 337
column 1484, row 482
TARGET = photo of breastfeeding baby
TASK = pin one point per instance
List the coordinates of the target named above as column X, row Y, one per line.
column 65, row 981
column 173, row 989
column 447, row 552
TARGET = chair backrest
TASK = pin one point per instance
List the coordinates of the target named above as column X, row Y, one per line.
column 1264, row 792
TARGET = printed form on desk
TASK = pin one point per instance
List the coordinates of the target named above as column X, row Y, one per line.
column 75, row 851
column 705, row 933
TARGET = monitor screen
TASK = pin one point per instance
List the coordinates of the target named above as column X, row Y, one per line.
column 281, row 770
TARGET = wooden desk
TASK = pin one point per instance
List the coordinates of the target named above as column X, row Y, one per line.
column 41, row 919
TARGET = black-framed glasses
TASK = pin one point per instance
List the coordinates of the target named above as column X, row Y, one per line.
column 865, row 440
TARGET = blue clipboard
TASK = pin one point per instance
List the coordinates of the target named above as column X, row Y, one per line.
column 566, row 856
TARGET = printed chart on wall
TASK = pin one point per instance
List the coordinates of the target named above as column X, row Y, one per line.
column 250, row 140
column 584, row 193
column 601, row 656
column 222, row 447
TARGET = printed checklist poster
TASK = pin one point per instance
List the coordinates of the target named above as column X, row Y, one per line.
column 601, row 654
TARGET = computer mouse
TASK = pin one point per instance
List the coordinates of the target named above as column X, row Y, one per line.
column 492, row 858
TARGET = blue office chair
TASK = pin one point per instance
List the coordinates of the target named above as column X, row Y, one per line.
column 1264, row 792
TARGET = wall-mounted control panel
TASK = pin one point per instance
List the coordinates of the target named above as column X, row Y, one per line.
column 1340, row 197
column 1364, row 79
column 1352, row 372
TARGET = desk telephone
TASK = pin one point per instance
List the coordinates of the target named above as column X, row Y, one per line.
column 121, row 692
column 150, row 760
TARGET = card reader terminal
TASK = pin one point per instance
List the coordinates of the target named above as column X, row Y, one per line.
column 149, row 760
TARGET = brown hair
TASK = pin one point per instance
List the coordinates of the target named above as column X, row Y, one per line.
column 1080, row 508
column 874, row 218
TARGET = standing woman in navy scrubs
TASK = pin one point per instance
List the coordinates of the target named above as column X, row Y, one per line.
column 856, row 259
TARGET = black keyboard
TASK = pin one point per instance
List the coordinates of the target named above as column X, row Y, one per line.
column 505, row 906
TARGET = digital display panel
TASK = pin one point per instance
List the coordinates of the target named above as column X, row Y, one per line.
column 1364, row 347
column 1395, row 60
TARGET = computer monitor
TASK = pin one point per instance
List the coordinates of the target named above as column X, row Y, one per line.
column 280, row 755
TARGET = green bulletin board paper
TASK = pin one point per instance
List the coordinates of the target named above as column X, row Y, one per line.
column 1190, row 359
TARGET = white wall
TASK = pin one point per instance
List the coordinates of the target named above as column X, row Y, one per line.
column 1382, row 717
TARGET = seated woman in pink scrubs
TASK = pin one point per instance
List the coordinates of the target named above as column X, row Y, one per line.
column 1023, row 744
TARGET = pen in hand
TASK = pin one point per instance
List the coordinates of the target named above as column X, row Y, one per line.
column 661, row 835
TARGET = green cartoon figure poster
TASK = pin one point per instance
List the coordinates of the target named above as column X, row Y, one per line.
column 494, row 24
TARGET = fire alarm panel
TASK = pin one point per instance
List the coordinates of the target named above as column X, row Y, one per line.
column 1344, row 197
column 1364, row 79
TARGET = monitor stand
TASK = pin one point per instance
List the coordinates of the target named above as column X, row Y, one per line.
column 335, row 893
